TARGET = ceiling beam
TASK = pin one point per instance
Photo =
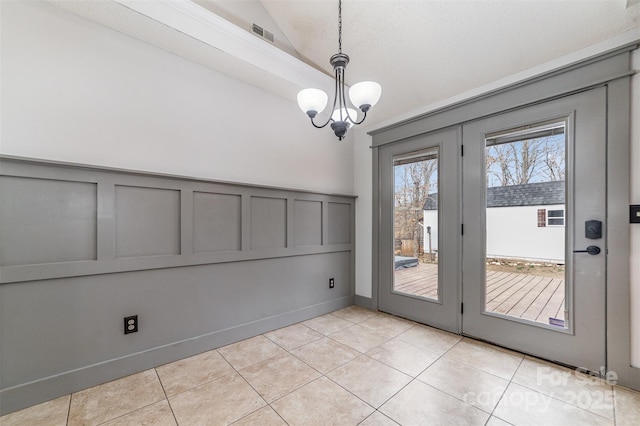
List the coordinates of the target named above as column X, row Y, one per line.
column 201, row 24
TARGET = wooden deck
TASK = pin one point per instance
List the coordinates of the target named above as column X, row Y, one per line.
column 519, row 295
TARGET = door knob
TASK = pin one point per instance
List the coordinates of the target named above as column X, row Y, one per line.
column 592, row 250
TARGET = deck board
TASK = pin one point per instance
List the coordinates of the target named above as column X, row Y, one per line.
column 421, row 280
column 520, row 295
column 534, row 288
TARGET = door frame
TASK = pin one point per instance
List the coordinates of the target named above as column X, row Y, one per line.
column 610, row 68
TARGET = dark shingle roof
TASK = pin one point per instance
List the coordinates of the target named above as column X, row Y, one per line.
column 531, row 194
column 432, row 202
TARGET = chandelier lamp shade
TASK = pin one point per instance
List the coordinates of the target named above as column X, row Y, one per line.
column 363, row 95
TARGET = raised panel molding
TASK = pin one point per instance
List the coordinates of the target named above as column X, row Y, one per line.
column 147, row 221
column 268, row 223
column 66, row 220
column 340, row 219
column 307, row 219
column 217, row 222
column 46, row 221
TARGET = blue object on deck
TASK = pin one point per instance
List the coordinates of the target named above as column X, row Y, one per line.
column 405, row 262
column 557, row 322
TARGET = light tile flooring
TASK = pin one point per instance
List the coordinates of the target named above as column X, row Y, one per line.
column 350, row 367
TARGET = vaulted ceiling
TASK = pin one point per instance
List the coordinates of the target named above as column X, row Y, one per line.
column 425, row 51
column 421, row 52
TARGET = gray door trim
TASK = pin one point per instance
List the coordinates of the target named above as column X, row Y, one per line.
column 375, row 240
column 618, row 277
column 574, row 78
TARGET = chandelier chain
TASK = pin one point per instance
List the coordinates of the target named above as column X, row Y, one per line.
column 339, row 26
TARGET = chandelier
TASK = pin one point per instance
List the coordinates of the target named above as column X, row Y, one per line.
column 363, row 95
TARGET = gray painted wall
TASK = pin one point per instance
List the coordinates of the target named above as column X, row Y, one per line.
column 201, row 263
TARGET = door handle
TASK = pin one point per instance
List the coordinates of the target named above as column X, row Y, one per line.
column 592, row 250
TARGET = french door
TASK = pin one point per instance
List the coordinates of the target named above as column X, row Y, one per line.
column 534, row 214
column 507, row 242
column 419, row 234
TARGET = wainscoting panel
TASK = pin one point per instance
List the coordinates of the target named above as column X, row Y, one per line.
column 64, row 220
column 147, row 221
column 202, row 263
column 307, row 223
column 47, row 221
column 217, row 222
column 268, row 222
column 340, row 223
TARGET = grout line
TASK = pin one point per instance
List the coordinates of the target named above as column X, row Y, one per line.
column 346, row 362
column 366, row 354
column 166, row 396
column 354, row 395
column 560, row 400
column 199, row 384
column 249, row 384
column 313, row 368
column 505, row 390
column 552, row 396
column 69, row 409
column 613, row 401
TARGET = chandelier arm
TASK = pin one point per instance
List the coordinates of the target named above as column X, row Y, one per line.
column 317, row 126
column 332, row 108
column 360, row 122
column 344, row 101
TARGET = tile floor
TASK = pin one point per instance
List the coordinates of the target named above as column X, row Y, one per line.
column 350, row 367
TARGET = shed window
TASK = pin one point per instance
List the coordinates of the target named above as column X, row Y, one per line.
column 555, row 217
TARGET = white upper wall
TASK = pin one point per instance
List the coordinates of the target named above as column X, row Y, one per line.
column 76, row 91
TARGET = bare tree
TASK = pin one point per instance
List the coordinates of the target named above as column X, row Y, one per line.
column 554, row 159
column 499, row 162
column 526, row 161
column 410, row 197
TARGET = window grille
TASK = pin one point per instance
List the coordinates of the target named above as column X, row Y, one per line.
column 555, row 217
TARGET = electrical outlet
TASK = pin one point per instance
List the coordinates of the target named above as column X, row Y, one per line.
column 332, row 283
column 634, row 214
column 131, row 324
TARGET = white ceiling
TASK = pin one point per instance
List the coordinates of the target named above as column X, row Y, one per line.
column 421, row 52
column 425, row 51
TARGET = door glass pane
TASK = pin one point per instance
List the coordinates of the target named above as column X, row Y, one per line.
column 525, row 224
column 416, row 224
